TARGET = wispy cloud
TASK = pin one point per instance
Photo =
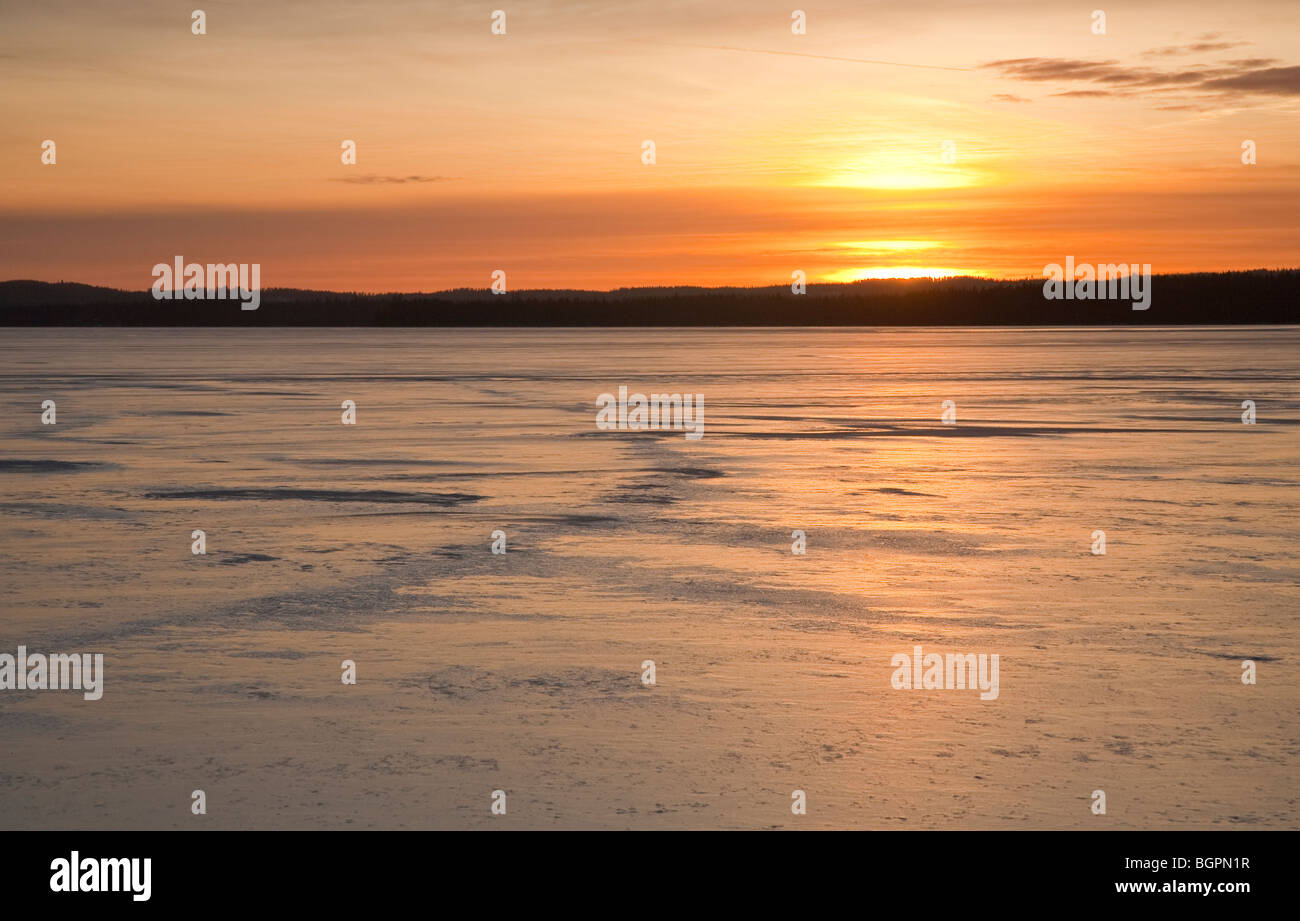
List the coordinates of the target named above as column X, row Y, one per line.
column 1244, row 76
column 371, row 179
column 1195, row 48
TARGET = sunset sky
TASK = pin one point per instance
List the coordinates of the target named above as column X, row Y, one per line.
column 523, row 152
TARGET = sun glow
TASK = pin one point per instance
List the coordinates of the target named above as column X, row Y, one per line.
column 898, row 171
column 887, row 252
column 897, row 271
column 888, row 246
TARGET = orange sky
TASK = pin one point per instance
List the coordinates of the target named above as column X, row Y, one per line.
column 523, row 151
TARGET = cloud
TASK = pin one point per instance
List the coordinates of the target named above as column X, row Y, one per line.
column 1195, row 48
column 1108, row 72
column 371, row 179
column 1252, row 62
column 1244, row 76
column 1010, row 97
column 1276, row 81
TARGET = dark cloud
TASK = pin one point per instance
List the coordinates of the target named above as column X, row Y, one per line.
column 1244, row 76
column 1275, row 81
column 1109, row 72
column 371, row 179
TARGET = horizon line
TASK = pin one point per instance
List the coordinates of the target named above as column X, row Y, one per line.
column 861, row 282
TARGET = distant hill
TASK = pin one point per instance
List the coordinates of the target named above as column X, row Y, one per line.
column 1259, row 296
column 45, row 295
